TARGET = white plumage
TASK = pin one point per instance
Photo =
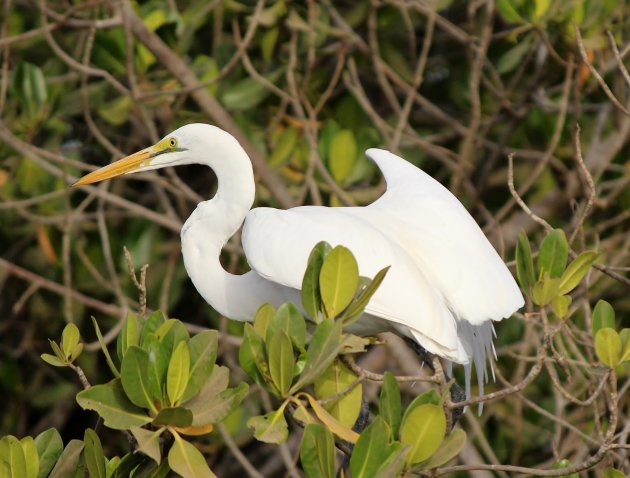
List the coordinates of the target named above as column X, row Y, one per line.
column 446, row 283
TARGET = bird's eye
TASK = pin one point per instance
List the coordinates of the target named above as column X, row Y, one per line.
column 172, row 142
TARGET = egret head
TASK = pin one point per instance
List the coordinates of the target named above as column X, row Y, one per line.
column 182, row 146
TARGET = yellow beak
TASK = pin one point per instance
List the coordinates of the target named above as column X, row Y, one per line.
column 122, row 166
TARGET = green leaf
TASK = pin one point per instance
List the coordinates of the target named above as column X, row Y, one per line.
column 288, row 319
column 389, row 402
column 608, row 346
column 187, row 461
column 69, row 339
column 170, row 334
column 128, row 336
column 323, row 349
column 203, row 353
column 268, row 43
column 373, row 448
column 511, row 59
column 263, row 316
column 342, row 154
column 30, row 456
column 103, row 345
column 30, row 88
column 212, row 405
column 560, row 305
column 149, row 442
column 178, row 373
column 524, row 263
column 270, row 428
column 423, row 430
column 545, row 290
column 338, row 280
column 284, row 146
column 150, row 325
column 576, row 271
column 449, row 449
column 603, row 316
column 136, row 380
column 508, row 12
column 68, row 463
column 624, row 336
column 174, row 416
column 53, row 360
column 357, row 306
column 430, row 396
column 49, row 447
column 552, row 257
column 93, row 454
column 247, row 93
column 311, row 298
column 111, row 403
column 12, row 452
column 541, row 8
column 251, row 355
column 335, row 379
column 613, row 473
column 394, row 464
column 317, row 452
column 564, row 463
column 281, row 361
column 116, row 111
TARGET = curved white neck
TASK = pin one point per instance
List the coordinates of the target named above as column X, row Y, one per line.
column 210, row 226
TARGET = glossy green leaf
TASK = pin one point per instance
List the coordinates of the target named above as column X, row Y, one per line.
column 342, row 154
column 545, row 290
column 270, row 428
column 334, row 380
column 284, row 146
column 560, row 305
column 423, row 430
column 281, row 361
column 608, row 346
column 263, row 316
column 251, row 355
column 524, row 263
column 111, row 403
column 213, row 405
column 53, row 360
column 128, row 336
column 613, row 473
column 624, row 336
column 449, row 449
column 508, row 12
column 394, row 464
column 553, row 254
column 93, row 454
column 390, row 408
column 149, row 327
column 68, row 463
column 174, row 416
column 69, row 339
column 338, row 280
column 357, row 306
column 104, row 349
column 371, row 450
column 135, row 379
column 317, row 452
column 430, row 396
column 603, row 316
column 323, row 349
column 49, row 447
column 185, row 460
column 178, row 373
column 11, row 451
column 31, row 457
column 288, row 319
column 311, row 297
column 149, row 441
column 203, row 353
column 576, row 271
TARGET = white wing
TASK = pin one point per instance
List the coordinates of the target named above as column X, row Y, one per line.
column 443, row 271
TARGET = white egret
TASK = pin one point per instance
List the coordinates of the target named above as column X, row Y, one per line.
column 446, row 283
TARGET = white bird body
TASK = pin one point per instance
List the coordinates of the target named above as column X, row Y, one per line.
column 446, row 283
